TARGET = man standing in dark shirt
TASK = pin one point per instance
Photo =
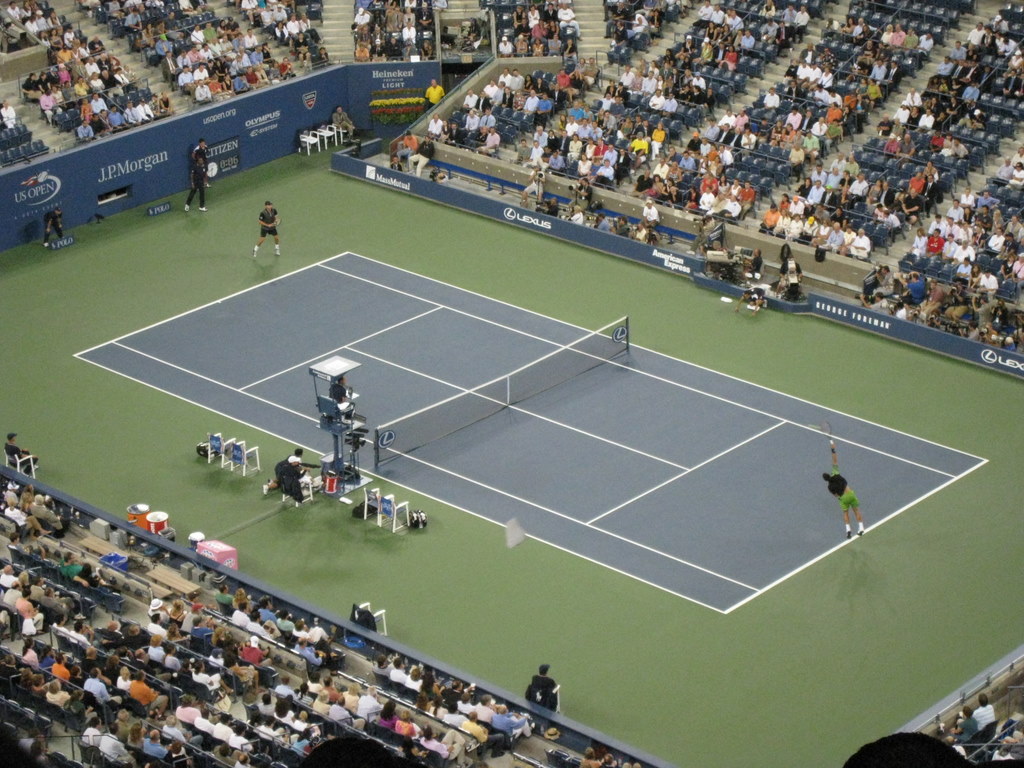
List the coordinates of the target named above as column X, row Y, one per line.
column 542, row 689
column 268, row 226
column 197, row 175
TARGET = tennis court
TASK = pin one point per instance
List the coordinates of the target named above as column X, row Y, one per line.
column 698, row 483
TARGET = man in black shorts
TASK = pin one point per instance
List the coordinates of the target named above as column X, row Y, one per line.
column 197, row 175
column 268, row 226
column 53, row 221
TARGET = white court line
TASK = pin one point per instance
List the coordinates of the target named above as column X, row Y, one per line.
column 201, row 307
column 212, row 381
column 344, row 346
column 844, row 542
column 668, row 356
column 460, row 390
column 719, row 455
column 453, row 310
column 561, row 323
column 662, row 379
column 571, row 519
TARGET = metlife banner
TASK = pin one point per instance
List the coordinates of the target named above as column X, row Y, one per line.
column 1011, row 363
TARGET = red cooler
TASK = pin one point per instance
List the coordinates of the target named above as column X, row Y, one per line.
column 156, row 521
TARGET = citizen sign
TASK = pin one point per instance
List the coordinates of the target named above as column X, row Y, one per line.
column 992, row 357
column 513, row 215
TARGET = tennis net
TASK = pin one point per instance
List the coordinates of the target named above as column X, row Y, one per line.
column 406, row 434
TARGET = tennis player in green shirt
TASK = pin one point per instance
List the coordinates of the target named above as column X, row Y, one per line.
column 839, row 488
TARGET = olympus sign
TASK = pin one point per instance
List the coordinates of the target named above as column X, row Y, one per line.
column 38, row 189
column 513, row 215
column 992, row 357
column 263, row 123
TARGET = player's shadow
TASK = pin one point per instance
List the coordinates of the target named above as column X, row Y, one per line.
column 267, row 266
column 860, row 577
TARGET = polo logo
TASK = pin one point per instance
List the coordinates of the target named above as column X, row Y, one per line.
column 309, row 99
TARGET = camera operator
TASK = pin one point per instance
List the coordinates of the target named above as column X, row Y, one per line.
column 753, row 265
column 583, row 195
column 957, row 303
column 790, row 275
column 534, row 187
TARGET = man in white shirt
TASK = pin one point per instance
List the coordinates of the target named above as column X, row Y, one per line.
column 976, row 35
column 516, row 80
column 861, row 246
column 628, row 78
column 650, row 214
column 984, row 713
column 771, row 99
column 8, row 116
column 112, row 748
column 222, row 730
column 435, row 127
column 369, row 707
column 816, row 194
column 964, row 252
column 567, row 18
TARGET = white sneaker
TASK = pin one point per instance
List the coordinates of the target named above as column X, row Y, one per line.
column 186, row 208
column 266, row 489
column 254, row 251
column 277, row 251
column 202, row 208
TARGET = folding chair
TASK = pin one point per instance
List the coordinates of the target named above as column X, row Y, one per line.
column 389, row 510
column 225, row 455
column 379, row 616
column 308, row 139
column 371, row 501
column 25, row 464
column 216, row 446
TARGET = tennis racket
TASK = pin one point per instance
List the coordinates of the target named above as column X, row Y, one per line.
column 826, row 428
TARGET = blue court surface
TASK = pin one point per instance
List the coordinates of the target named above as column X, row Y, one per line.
column 697, row 483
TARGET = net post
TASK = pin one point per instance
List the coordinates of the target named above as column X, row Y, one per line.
column 627, row 333
column 376, row 449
